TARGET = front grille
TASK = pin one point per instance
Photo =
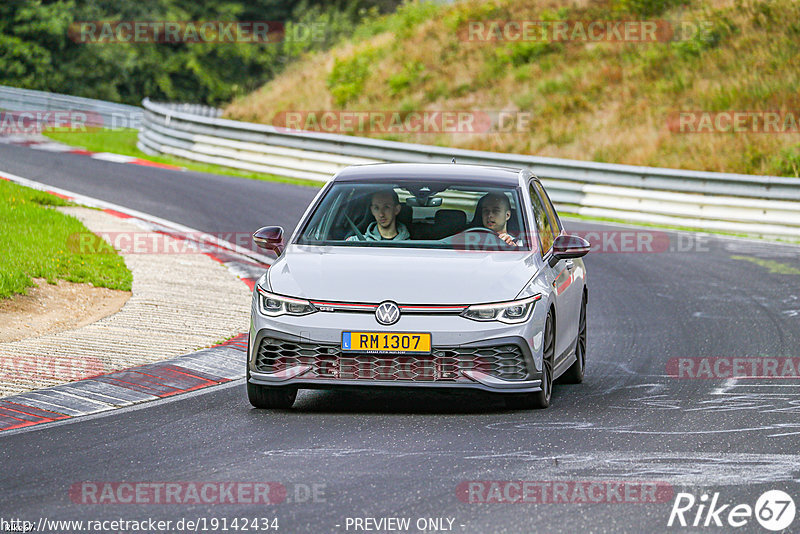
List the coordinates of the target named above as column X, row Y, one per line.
column 443, row 365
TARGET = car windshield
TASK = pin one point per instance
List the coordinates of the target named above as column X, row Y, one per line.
column 418, row 214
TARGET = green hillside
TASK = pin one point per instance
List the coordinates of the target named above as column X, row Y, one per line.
column 599, row 100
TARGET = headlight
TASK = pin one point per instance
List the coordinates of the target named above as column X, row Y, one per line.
column 515, row 311
column 275, row 305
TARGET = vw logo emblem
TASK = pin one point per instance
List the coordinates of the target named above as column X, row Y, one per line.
column 387, row 313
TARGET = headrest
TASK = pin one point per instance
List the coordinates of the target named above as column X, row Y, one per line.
column 451, row 218
column 405, row 215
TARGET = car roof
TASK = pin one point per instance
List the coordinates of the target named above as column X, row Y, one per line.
column 429, row 171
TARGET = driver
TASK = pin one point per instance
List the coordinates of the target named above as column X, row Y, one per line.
column 385, row 206
column 495, row 213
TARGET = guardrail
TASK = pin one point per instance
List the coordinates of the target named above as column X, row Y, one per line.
column 738, row 203
column 113, row 115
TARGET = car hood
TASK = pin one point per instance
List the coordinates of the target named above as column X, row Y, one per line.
column 406, row 276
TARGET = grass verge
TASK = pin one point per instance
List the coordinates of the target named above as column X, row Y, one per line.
column 35, row 238
column 123, row 141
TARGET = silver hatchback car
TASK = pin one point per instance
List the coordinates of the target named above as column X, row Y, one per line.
column 421, row 275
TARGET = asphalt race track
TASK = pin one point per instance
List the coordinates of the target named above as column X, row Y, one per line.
column 408, row 454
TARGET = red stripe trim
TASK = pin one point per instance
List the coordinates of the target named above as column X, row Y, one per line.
column 433, row 307
column 147, row 163
column 28, row 423
column 32, row 410
column 117, row 213
column 344, row 304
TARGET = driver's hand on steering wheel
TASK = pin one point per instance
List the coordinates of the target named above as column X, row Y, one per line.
column 507, row 238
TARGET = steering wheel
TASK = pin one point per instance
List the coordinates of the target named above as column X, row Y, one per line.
column 478, row 229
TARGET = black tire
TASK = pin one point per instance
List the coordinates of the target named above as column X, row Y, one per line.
column 270, row 397
column 539, row 399
column 576, row 371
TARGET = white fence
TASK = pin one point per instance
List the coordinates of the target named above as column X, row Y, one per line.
column 757, row 205
column 112, row 115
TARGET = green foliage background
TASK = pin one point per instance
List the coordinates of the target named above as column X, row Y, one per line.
column 37, row 53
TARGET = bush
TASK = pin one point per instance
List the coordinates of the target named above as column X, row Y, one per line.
column 647, row 8
column 38, row 52
column 788, row 164
column 412, row 73
column 346, row 79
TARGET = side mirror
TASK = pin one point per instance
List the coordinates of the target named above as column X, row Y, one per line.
column 269, row 238
column 569, row 246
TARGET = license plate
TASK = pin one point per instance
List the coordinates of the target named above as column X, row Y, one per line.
column 385, row 342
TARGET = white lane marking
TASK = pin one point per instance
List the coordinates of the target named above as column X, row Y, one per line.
column 706, row 315
column 158, row 221
column 51, row 147
column 22, row 139
column 630, row 429
column 115, row 158
column 729, row 384
column 783, row 435
column 772, row 386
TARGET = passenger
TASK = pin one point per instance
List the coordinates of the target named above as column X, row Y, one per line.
column 495, row 213
column 385, row 206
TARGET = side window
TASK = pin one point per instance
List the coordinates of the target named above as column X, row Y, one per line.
column 543, row 226
column 322, row 227
column 555, row 223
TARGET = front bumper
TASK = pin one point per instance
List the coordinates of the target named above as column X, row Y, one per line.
column 499, row 364
column 305, row 352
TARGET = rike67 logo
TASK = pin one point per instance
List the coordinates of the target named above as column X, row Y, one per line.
column 774, row 510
